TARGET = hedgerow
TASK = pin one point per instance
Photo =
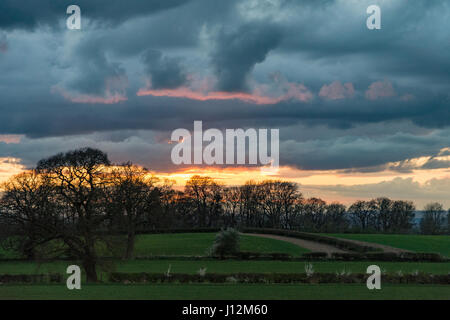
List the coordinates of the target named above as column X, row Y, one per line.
column 316, row 278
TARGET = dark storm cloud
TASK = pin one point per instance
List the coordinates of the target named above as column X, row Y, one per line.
column 333, row 32
column 165, row 72
column 237, row 52
column 40, row 119
column 142, row 147
column 3, row 42
column 339, row 27
column 238, row 44
column 364, row 153
column 32, row 13
column 96, row 75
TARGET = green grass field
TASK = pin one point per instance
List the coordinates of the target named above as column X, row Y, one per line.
column 417, row 243
column 226, row 291
column 195, row 244
column 190, row 244
column 229, row 266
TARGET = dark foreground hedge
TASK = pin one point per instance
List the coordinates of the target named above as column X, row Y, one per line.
column 316, row 278
column 338, row 243
column 31, row 278
column 420, row 278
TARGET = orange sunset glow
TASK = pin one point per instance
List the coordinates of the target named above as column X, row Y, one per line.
column 313, row 183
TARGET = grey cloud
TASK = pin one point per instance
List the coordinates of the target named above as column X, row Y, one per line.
column 3, row 42
column 307, row 41
column 141, row 147
column 86, row 67
column 165, row 72
column 30, row 13
column 436, row 164
column 361, row 152
column 236, row 53
column 98, row 76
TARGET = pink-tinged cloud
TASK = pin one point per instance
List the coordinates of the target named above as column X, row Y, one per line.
column 187, row 93
column 260, row 95
column 337, row 91
column 380, row 89
column 10, row 138
column 108, row 98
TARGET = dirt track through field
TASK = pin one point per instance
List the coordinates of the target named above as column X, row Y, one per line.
column 310, row 245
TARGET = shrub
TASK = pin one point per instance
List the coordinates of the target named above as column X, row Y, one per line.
column 226, row 243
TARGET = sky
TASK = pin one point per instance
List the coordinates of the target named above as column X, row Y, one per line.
column 361, row 113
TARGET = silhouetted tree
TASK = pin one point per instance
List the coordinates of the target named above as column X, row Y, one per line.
column 232, row 205
column 335, row 219
column 433, row 220
column 383, row 212
column 250, row 200
column 363, row 214
column 80, row 178
column 277, row 201
column 312, row 214
column 134, row 196
column 401, row 217
column 29, row 212
column 448, row 221
column 206, row 198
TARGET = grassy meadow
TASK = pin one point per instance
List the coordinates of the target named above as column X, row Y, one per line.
column 227, row 291
column 197, row 244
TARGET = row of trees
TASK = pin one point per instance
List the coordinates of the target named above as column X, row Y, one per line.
column 77, row 203
column 280, row 204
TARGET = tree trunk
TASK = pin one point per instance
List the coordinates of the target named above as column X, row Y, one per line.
column 29, row 250
column 130, row 245
column 89, row 265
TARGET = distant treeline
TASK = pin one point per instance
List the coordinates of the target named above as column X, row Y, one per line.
column 280, row 204
column 70, row 202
